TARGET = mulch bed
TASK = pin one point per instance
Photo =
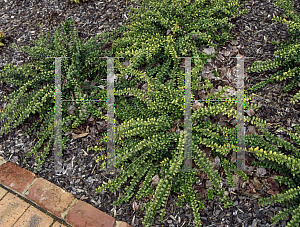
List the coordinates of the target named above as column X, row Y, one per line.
column 82, row 175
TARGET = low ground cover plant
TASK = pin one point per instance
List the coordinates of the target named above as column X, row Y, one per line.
column 78, row 1
column 147, row 146
column 2, row 35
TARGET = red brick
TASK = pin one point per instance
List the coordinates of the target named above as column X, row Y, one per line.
column 82, row 214
column 15, row 177
column 49, row 196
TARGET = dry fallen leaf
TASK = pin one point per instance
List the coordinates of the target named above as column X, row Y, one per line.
column 251, row 130
column 252, row 189
column 273, row 183
column 233, row 157
column 250, row 112
column 256, row 183
column 75, row 136
column 202, row 175
column 135, row 206
column 261, row 172
column 148, row 198
column 200, row 190
column 271, row 192
column 155, row 180
column 208, row 185
column 236, row 181
column 217, row 161
column 244, row 184
column 83, row 197
column 246, row 193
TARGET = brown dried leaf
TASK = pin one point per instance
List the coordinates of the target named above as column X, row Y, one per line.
column 148, row 198
column 202, row 175
column 135, row 206
column 274, row 185
column 233, row 157
column 75, row 136
column 250, row 112
column 271, row 192
column 236, row 180
column 155, row 180
column 261, row 172
column 252, row 189
column 256, row 183
column 83, row 197
column 200, row 190
column 251, row 130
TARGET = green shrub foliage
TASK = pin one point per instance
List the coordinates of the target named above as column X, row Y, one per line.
column 37, row 78
column 2, row 35
column 288, row 54
column 146, row 146
column 78, row 1
column 289, row 165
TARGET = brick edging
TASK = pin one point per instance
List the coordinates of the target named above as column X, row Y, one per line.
column 52, row 198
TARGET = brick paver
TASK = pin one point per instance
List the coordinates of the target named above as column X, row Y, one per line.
column 18, row 213
column 2, row 192
column 34, row 217
column 11, row 208
column 57, row 224
column 15, row 177
column 83, row 214
column 49, row 196
column 122, row 224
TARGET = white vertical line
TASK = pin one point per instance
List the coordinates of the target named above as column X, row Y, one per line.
column 240, row 158
column 110, row 114
column 187, row 119
column 240, row 116
column 58, row 118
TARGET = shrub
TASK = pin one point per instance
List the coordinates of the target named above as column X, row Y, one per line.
column 289, row 165
column 2, row 35
column 148, row 147
column 78, row 1
column 38, row 75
